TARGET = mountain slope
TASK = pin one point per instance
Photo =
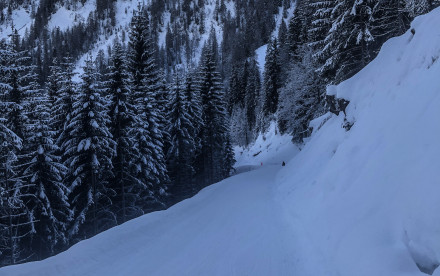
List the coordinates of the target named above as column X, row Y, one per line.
column 365, row 202
column 357, row 202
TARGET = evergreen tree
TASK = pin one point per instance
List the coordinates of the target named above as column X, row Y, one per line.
column 125, row 181
column 16, row 220
column 61, row 109
column 88, row 151
column 11, row 203
column 347, row 44
column 214, row 131
column 183, row 145
column 193, row 98
column 252, row 95
column 271, row 79
column 145, row 82
column 48, row 195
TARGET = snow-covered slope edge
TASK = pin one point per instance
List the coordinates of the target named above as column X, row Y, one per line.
column 366, row 202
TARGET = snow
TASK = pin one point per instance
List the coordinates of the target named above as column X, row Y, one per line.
column 21, row 19
column 365, row 202
column 230, row 7
column 64, row 18
column 362, row 202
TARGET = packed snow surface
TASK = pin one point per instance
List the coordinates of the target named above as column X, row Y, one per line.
column 362, row 202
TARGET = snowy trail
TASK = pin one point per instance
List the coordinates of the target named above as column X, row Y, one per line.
column 231, row 228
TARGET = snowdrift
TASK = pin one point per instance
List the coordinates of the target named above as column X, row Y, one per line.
column 367, row 201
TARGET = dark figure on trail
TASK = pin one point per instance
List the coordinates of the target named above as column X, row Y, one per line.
column 284, row 164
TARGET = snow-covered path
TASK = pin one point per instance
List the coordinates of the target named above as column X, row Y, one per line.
column 234, row 227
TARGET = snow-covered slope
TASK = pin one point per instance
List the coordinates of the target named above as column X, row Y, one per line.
column 362, row 202
column 366, row 202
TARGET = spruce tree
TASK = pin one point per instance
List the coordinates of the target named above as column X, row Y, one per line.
column 348, row 43
column 48, row 200
column 214, row 131
column 252, row 95
column 145, row 82
column 16, row 220
column 61, row 109
column 183, row 145
column 271, row 79
column 88, row 151
column 125, row 181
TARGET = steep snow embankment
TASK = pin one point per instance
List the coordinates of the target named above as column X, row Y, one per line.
column 366, row 202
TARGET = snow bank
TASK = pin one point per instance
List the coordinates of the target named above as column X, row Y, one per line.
column 366, row 202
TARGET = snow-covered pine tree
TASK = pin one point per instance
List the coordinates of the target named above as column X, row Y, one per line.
column 321, row 22
column 214, row 132
column 271, row 79
column 16, row 219
column 47, row 196
column 183, row 145
column 151, row 162
column 125, row 181
column 252, row 95
column 301, row 99
column 347, row 44
column 162, row 99
column 53, row 84
column 61, row 110
column 11, row 203
column 10, row 144
column 418, row 7
column 229, row 157
column 192, row 95
column 295, row 35
column 390, row 18
column 236, row 93
column 88, row 151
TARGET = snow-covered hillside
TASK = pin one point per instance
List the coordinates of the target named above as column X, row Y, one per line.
column 365, row 202
column 362, row 202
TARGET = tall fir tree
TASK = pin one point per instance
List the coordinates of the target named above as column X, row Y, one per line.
column 47, row 200
column 149, row 138
column 183, row 144
column 125, row 181
column 16, row 219
column 214, row 132
column 62, row 108
column 88, row 151
column 348, row 43
column 271, row 79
